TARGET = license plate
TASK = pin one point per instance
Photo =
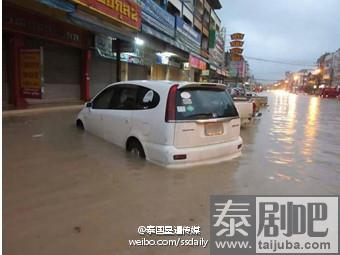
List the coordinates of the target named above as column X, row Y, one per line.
column 213, row 129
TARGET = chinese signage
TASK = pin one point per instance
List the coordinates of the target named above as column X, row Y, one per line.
column 157, row 17
column 20, row 21
column 237, row 36
column 236, row 50
column 236, row 43
column 31, row 73
column 236, row 57
column 183, row 29
column 274, row 225
column 197, row 63
column 123, row 11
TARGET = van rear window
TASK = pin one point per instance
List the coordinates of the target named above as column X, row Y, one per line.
column 204, row 103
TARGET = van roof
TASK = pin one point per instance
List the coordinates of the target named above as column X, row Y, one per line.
column 162, row 83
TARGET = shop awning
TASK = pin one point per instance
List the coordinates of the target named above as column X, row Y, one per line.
column 59, row 4
column 99, row 26
column 149, row 30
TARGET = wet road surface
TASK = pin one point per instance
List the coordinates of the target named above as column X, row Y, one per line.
column 68, row 192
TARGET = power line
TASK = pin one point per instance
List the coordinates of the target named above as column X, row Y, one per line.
column 279, row 62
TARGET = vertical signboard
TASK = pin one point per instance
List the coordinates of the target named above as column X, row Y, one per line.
column 31, row 77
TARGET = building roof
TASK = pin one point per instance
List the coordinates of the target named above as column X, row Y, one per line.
column 215, row 4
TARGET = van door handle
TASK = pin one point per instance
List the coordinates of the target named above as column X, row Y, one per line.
column 126, row 121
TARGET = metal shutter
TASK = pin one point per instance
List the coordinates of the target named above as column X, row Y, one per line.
column 102, row 73
column 62, row 72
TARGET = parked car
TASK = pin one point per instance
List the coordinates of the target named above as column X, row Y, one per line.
column 174, row 124
column 245, row 109
column 260, row 101
column 329, row 92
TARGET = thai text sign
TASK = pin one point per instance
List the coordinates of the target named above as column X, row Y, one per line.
column 30, row 73
column 197, row 63
column 123, row 11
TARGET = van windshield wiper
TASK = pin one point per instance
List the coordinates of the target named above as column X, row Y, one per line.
column 203, row 114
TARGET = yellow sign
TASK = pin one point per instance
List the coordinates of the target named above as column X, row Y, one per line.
column 237, row 36
column 236, row 57
column 236, row 50
column 30, row 73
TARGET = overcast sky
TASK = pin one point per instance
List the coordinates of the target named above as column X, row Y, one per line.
column 293, row 31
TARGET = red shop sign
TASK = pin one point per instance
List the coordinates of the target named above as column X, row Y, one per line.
column 124, row 11
column 197, row 63
column 26, row 22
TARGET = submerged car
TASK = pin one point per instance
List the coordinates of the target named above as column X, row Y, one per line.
column 173, row 124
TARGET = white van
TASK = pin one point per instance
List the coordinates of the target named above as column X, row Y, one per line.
column 174, row 124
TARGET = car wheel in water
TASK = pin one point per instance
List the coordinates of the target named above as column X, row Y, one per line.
column 80, row 125
column 135, row 148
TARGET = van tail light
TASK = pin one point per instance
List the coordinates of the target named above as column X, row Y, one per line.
column 170, row 113
column 254, row 108
column 180, row 156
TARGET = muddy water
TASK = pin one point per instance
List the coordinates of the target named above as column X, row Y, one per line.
column 68, row 192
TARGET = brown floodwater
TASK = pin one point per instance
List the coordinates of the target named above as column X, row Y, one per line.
column 68, row 192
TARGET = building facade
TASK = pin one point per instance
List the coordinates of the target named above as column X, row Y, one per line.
column 68, row 50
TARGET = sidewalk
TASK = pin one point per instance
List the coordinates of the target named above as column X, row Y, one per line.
column 37, row 109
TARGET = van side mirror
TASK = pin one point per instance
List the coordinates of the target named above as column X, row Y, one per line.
column 88, row 104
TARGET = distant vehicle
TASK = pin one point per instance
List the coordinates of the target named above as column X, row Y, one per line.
column 329, row 92
column 174, row 124
column 245, row 109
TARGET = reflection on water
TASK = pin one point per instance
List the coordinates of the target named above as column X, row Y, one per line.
column 303, row 134
column 311, row 128
column 283, row 128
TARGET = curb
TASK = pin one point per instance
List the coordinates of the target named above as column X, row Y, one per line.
column 27, row 112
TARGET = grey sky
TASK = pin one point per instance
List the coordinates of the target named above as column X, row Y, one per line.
column 297, row 31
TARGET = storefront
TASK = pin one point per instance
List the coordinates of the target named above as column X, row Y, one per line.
column 197, row 66
column 45, row 59
column 115, row 30
column 159, row 34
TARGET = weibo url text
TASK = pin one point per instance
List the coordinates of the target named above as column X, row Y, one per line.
column 201, row 242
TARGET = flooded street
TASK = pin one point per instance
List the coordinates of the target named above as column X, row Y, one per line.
column 68, row 192
column 294, row 148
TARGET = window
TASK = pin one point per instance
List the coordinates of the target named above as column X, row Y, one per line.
column 124, row 97
column 103, row 100
column 204, row 103
column 127, row 97
column 147, row 98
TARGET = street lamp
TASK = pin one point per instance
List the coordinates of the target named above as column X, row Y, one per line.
column 317, row 71
column 139, row 41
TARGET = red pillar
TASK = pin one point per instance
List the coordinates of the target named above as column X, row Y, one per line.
column 86, row 59
column 16, row 43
